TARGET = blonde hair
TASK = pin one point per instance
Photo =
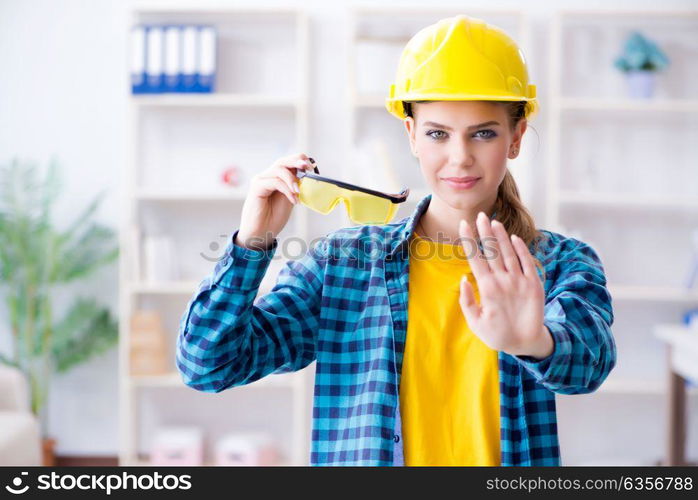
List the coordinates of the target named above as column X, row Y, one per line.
column 509, row 208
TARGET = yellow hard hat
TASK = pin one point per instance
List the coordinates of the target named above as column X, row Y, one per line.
column 461, row 59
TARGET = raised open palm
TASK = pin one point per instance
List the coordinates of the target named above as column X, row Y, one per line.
column 509, row 316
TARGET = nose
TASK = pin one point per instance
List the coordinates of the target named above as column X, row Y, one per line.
column 460, row 151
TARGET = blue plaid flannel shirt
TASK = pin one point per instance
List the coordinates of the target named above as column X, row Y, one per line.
column 344, row 305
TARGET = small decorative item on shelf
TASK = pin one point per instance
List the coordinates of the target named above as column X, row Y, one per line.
column 641, row 60
column 147, row 351
column 177, row 446
column 232, row 176
column 159, row 259
column 246, row 449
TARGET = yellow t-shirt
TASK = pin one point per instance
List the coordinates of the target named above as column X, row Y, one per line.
column 449, row 388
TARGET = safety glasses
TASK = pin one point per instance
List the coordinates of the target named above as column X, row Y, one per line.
column 364, row 206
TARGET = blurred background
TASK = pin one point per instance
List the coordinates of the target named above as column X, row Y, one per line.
column 131, row 129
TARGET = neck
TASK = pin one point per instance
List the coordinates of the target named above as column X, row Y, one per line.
column 440, row 221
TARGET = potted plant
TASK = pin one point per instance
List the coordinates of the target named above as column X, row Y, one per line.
column 35, row 259
column 640, row 61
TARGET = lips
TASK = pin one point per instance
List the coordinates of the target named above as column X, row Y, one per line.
column 461, row 182
column 461, row 179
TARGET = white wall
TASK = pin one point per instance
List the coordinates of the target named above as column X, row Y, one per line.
column 63, row 92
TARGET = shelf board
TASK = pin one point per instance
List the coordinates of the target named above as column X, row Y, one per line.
column 395, row 39
column 653, row 293
column 623, row 14
column 165, row 288
column 180, row 196
column 630, row 201
column 369, row 101
column 637, row 386
column 683, row 343
column 214, row 100
column 174, row 288
column 443, row 10
column 167, row 380
column 631, row 386
column 174, row 380
column 626, row 104
column 159, row 8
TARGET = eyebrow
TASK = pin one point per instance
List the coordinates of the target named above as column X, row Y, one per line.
column 439, row 125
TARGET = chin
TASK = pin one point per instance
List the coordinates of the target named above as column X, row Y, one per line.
column 458, row 201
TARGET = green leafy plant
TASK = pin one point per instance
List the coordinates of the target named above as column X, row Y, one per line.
column 35, row 259
column 641, row 54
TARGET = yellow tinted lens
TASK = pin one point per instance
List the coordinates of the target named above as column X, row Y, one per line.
column 364, row 208
column 318, row 195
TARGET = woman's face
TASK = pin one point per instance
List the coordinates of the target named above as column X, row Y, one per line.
column 454, row 140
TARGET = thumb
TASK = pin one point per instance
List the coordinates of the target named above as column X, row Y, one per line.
column 470, row 308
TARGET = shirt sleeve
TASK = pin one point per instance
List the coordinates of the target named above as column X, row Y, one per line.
column 226, row 339
column 579, row 315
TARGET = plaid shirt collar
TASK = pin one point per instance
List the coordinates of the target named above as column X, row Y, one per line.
column 407, row 226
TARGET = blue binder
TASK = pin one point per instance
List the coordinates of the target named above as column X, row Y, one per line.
column 206, row 67
column 154, row 59
column 173, row 56
column 138, row 82
column 189, row 58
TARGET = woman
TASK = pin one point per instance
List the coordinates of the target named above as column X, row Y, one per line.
column 471, row 378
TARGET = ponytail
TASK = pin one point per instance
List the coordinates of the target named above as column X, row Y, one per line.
column 515, row 217
column 509, row 208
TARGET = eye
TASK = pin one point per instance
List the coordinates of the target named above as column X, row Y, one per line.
column 432, row 134
column 491, row 134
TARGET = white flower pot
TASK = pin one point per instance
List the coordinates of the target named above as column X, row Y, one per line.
column 641, row 84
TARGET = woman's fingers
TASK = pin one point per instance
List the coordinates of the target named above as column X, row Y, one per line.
column 283, row 187
column 477, row 264
column 468, row 304
column 298, row 164
column 271, row 184
column 289, row 178
column 493, row 252
column 297, row 161
column 509, row 254
column 529, row 267
column 284, row 170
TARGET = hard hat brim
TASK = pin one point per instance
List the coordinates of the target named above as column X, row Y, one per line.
column 394, row 104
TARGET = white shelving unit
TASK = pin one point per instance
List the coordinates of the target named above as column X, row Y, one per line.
column 383, row 32
column 561, row 105
column 634, row 208
column 170, row 158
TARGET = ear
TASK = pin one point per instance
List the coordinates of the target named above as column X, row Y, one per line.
column 410, row 129
column 515, row 146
